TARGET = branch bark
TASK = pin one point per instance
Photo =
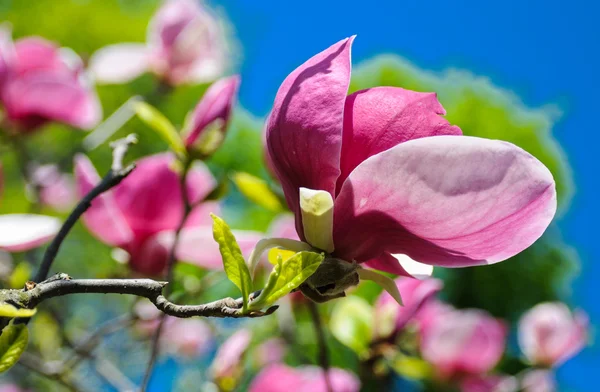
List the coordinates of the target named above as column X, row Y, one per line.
column 61, row 284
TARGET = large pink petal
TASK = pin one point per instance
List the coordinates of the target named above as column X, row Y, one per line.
column 35, row 53
column 444, row 200
column 119, row 63
column 50, row 96
column 304, row 132
column 380, row 118
column 21, row 232
column 150, row 197
column 103, row 218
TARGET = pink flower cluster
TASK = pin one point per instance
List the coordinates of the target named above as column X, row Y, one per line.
column 465, row 345
column 41, row 82
column 185, row 44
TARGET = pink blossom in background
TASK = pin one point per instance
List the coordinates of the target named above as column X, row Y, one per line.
column 11, row 388
column 282, row 378
column 538, row 380
column 464, row 342
column 550, row 334
column 489, row 383
column 189, row 338
column 22, row 232
column 227, row 362
column 40, row 83
column 271, row 351
column 56, row 189
column 430, row 313
column 141, row 214
column 402, row 179
column 213, row 110
column 185, row 44
column 390, row 316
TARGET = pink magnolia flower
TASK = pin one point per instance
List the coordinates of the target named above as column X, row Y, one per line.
column 391, row 317
column 430, row 313
column 549, row 334
column 185, row 44
column 464, row 342
column 489, row 383
column 141, row 214
column 538, row 380
column 282, row 378
column 40, row 82
column 227, row 362
column 380, row 172
column 22, row 232
column 210, row 118
column 56, row 189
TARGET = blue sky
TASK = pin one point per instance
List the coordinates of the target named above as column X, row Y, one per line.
column 544, row 51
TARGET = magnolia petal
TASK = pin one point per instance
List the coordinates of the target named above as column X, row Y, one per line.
column 21, row 232
column 52, row 97
column 304, row 130
column 386, row 283
column 400, row 265
column 444, row 200
column 119, row 63
column 150, row 197
column 414, row 268
column 104, row 219
column 379, row 118
column 317, row 218
column 215, row 105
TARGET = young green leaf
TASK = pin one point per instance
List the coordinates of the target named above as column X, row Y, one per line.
column 233, row 262
column 352, row 323
column 158, row 122
column 7, row 310
column 286, row 276
column 257, row 191
column 12, row 344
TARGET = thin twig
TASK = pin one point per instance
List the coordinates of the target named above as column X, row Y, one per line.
column 323, row 355
column 171, row 261
column 113, row 178
column 61, row 284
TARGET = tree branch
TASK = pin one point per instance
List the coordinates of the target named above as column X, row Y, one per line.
column 116, row 174
column 61, row 284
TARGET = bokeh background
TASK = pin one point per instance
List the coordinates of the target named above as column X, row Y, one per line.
column 526, row 72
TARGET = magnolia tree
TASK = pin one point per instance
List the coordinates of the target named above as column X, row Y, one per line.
column 376, row 185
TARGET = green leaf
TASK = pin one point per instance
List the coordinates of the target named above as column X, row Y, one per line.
column 233, row 262
column 257, row 191
column 7, row 310
column 411, row 367
column 286, row 276
column 157, row 121
column 352, row 323
column 12, row 344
